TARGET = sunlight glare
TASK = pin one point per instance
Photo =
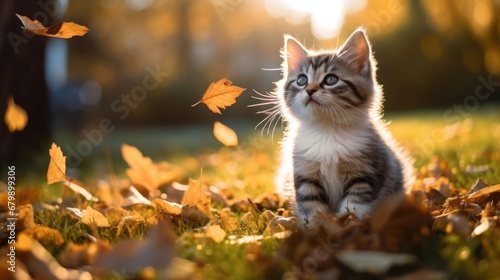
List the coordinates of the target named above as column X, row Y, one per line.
column 326, row 17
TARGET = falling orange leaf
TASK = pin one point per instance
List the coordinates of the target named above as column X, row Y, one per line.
column 225, row 135
column 15, row 116
column 63, row 30
column 91, row 217
column 220, row 94
column 57, row 165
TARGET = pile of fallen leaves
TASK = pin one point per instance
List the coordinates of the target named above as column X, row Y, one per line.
column 139, row 228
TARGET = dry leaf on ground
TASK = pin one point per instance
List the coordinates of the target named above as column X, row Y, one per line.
column 41, row 264
column 77, row 255
column 225, row 134
column 216, row 233
column 156, row 249
column 78, row 189
column 197, row 195
column 57, row 165
column 15, row 117
column 63, row 30
column 220, row 94
column 170, row 208
column 92, row 216
column 26, row 217
column 143, row 171
column 228, row 223
column 133, row 197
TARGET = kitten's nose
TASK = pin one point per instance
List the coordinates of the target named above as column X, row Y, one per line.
column 311, row 91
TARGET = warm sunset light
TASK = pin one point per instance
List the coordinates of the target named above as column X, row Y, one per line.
column 326, row 17
column 250, row 139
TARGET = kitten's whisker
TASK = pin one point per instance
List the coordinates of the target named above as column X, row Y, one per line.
column 267, row 94
column 265, row 98
column 263, row 104
column 270, row 116
column 274, row 115
column 344, row 113
column 269, row 110
column 271, row 69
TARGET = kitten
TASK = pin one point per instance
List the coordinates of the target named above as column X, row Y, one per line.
column 337, row 154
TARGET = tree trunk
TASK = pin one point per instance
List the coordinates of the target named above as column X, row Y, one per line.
column 22, row 59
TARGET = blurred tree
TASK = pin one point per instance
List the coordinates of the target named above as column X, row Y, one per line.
column 22, row 76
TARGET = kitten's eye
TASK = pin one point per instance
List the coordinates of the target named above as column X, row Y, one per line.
column 302, row 80
column 330, row 80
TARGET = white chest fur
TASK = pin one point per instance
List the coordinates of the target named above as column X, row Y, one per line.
column 318, row 151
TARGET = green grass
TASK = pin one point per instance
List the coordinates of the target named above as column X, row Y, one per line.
column 249, row 171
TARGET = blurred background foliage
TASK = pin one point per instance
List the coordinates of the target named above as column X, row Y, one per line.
column 431, row 55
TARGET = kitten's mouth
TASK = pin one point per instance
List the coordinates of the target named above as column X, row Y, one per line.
column 311, row 100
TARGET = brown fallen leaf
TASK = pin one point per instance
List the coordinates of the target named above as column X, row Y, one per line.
column 479, row 185
column 484, row 192
column 57, row 165
column 220, row 94
column 63, row 30
column 94, row 217
column 225, row 135
column 15, row 117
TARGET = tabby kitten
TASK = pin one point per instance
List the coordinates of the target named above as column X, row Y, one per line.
column 337, row 154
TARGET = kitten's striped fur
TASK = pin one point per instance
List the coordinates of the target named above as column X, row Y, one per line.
column 337, row 154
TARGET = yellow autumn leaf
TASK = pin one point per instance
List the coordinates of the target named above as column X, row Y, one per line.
column 168, row 207
column 225, row 135
column 197, row 195
column 220, row 94
column 57, row 165
column 216, row 233
column 143, row 170
column 229, row 223
column 15, row 117
column 92, row 216
column 63, row 30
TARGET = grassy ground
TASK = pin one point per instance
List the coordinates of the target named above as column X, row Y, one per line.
column 467, row 150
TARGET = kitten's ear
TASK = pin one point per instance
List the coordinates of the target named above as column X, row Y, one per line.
column 294, row 53
column 357, row 49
